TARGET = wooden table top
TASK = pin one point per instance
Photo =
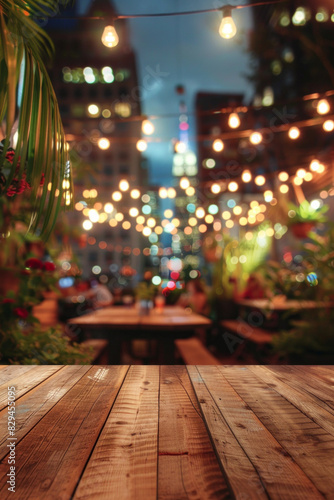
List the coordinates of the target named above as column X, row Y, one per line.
column 169, row 432
column 283, row 305
column 170, row 317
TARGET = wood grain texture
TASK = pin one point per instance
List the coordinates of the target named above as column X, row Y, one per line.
column 33, row 405
column 25, row 380
column 54, row 454
column 123, row 465
column 310, row 446
column 188, row 467
column 279, row 474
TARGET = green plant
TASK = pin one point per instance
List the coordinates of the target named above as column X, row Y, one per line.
column 29, row 107
column 306, row 213
column 146, row 291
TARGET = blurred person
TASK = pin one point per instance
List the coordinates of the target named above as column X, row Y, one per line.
column 99, row 294
column 255, row 288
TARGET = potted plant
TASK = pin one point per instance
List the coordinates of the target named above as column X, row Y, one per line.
column 304, row 217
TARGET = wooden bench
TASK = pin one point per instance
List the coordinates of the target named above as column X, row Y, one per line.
column 100, row 350
column 256, row 340
column 193, row 352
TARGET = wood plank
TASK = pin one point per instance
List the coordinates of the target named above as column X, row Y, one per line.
column 188, row 467
column 313, row 387
column 53, row 455
column 310, row 446
column 302, row 400
column 280, row 476
column 12, row 371
column 25, row 381
column 193, row 352
column 123, row 465
column 31, row 407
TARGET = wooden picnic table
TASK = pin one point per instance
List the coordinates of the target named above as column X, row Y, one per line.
column 169, row 432
column 120, row 324
column 283, row 305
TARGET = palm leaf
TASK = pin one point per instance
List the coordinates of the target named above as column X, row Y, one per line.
column 41, row 146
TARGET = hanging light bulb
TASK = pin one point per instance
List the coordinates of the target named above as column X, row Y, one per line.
column 215, row 188
column 233, row 120
column 180, row 147
column 323, row 107
column 141, row 145
column 227, row 28
column 255, row 138
column 109, row 37
column 246, row 176
column 294, row 133
column 147, row 127
column 328, row 125
column 218, row 145
column 184, row 183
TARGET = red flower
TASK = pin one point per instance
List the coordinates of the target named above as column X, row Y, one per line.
column 8, row 301
column 25, row 272
column 49, row 266
column 10, row 155
column 34, row 263
column 21, row 312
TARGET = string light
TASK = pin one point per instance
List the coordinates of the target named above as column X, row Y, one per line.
column 116, row 196
column 124, row 185
column 314, row 165
column 180, row 147
column 147, row 127
column 323, row 107
column 163, row 193
column 294, row 133
column 135, row 194
column 184, row 183
column 141, row 145
column 215, row 188
column 227, row 28
column 328, row 125
column 301, row 172
column 260, row 180
column 284, row 188
column 255, row 138
column 109, row 37
column 283, row 176
column 103, row 143
column 233, row 186
column 218, row 145
column 233, row 120
column 246, row 176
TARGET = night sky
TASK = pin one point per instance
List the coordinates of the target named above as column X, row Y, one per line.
column 185, row 50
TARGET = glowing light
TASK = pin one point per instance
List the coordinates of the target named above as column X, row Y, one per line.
column 218, row 145
column 140, row 219
column 226, row 215
column 135, row 194
column 171, row 193
column 284, row 188
column 103, row 143
column 119, row 217
column 156, row 280
column 328, row 125
column 243, row 221
column 294, row 133
column 190, row 191
column 209, row 219
column 163, row 193
column 124, row 185
column 255, row 138
column 147, row 127
column 109, row 37
column 87, row 225
column 314, row 165
column 96, row 269
column 260, row 180
column 108, row 208
column 213, row 209
column 323, row 107
column 116, row 196
column 233, row 186
column 93, row 215
column 180, row 147
column 141, row 145
column 233, row 120
column 168, row 213
column 184, row 183
column 202, row 228
column 301, row 172
column 283, row 176
column 298, row 181
column 192, row 221
column 229, row 224
column 237, row 210
column 308, row 177
column 227, row 28
column 93, row 110
column 215, row 188
column 133, row 212
column 147, row 231
column 200, row 213
column 246, row 176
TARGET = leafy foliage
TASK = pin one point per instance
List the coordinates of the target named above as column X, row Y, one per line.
column 306, row 213
column 29, row 107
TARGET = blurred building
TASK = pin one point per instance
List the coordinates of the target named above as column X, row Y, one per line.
column 98, row 93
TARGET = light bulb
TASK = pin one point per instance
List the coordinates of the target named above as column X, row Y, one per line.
column 103, row 143
column 180, row 147
column 328, row 126
column 246, row 176
column 233, row 186
column 323, row 107
column 260, row 180
column 314, row 165
column 147, row 127
column 233, row 120
column 215, row 188
column 218, row 145
column 227, row 28
column 141, row 145
column 184, row 183
column 294, row 133
column 109, row 37
column 255, row 138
